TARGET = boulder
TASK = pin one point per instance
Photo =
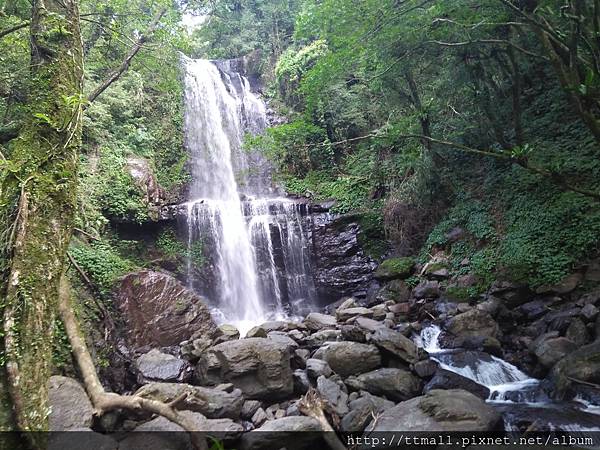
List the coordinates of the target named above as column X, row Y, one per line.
column 249, row 408
column 160, row 311
column 353, row 333
column 395, row 268
column 317, row 321
column 396, row 344
column 550, row 351
column 439, row 410
column 226, row 333
column 471, row 324
column 158, row 366
column 349, row 358
column 426, row 368
column 589, row 312
column 333, row 394
column 70, row 407
column 259, row 417
column 444, row 379
column 213, row 403
column 260, row 367
column 366, row 324
column 256, row 332
column 321, row 337
column 577, row 333
column 394, row 384
column 301, row 382
column 345, row 314
column 362, row 411
column 582, row 364
column 291, row 433
column 317, row 367
column 427, row 289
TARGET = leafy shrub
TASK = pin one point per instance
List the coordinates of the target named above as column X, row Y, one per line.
column 101, row 263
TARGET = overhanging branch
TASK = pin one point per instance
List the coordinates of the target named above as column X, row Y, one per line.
column 137, row 46
column 13, row 29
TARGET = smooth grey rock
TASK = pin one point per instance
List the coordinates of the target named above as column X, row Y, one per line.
column 321, row 337
column 396, row 344
column 332, row 393
column 317, row 367
column 472, row 324
column 425, row 368
column 249, row 408
column 301, row 382
column 550, row 351
column 256, row 332
column 439, row 410
column 427, row 289
column 394, row 384
column 317, row 321
column 345, row 314
column 349, row 358
column 260, row 367
column 259, row 417
column 368, row 325
column 226, row 333
column 213, row 403
column 70, row 406
column 158, row 366
column 362, row 411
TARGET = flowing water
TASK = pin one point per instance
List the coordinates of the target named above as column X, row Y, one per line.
column 518, row 396
column 259, row 249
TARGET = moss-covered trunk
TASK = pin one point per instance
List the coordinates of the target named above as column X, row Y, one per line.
column 38, row 199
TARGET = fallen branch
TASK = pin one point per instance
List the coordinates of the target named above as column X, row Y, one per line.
column 106, row 401
column 137, row 46
column 85, row 233
column 312, row 405
column 585, row 383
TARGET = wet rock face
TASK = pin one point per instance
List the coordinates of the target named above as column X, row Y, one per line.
column 260, row 367
column 160, row 311
column 341, row 266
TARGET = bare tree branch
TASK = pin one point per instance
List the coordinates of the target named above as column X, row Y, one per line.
column 115, row 75
column 13, row 29
column 105, row 401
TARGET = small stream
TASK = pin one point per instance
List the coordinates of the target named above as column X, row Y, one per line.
column 519, row 398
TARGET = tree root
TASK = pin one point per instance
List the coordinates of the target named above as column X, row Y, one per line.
column 106, row 401
column 312, row 405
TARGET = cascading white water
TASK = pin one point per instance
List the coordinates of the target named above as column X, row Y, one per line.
column 500, row 377
column 259, row 251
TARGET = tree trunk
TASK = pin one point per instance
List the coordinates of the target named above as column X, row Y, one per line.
column 38, row 200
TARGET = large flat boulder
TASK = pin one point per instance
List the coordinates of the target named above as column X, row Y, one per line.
column 349, row 358
column 394, row 384
column 213, row 403
column 260, row 367
column 439, row 410
column 582, row 365
column 470, row 326
column 70, row 407
column 396, row 344
column 160, row 311
column 362, row 411
column 158, row 366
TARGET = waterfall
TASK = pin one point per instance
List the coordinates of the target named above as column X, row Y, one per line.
column 260, row 250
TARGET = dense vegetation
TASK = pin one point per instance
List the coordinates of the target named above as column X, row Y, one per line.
column 420, row 116
column 429, row 115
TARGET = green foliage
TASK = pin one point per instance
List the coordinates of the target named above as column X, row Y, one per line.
column 168, row 243
column 102, row 263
